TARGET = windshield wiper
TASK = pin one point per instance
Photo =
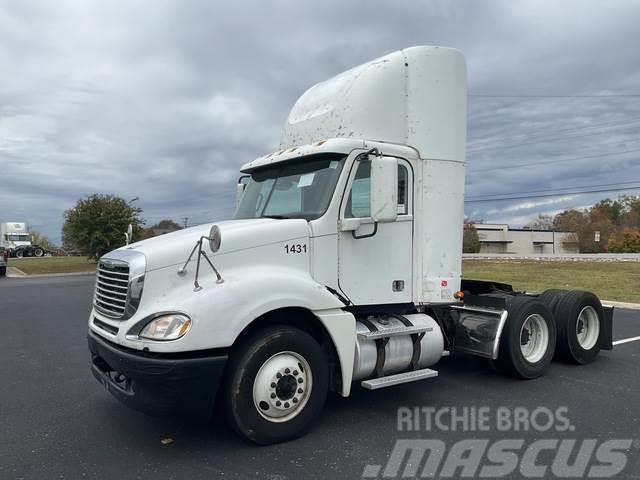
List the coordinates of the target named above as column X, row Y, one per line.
column 277, row 217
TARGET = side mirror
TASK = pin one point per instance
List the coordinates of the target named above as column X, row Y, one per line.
column 384, row 188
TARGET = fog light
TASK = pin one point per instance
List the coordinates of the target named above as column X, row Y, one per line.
column 166, row 327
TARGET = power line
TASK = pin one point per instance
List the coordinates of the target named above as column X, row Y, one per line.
column 604, row 95
column 553, row 195
column 548, row 162
column 534, row 139
column 557, row 190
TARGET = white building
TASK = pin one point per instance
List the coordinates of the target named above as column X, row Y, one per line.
column 499, row 238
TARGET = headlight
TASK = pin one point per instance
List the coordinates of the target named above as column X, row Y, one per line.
column 166, row 327
column 215, row 238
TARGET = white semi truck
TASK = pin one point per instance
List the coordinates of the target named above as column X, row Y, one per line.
column 342, row 264
column 14, row 235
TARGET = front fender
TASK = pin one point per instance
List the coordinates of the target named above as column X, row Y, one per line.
column 221, row 311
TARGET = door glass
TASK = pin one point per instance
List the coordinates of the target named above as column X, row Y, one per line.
column 358, row 204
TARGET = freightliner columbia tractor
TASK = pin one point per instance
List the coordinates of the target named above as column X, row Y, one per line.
column 341, row 265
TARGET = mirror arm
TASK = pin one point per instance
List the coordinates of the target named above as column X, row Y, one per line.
column 358, row 237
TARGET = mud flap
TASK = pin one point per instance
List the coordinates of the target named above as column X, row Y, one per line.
column 606, row 335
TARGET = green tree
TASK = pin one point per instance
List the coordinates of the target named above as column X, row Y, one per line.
column 97, row 224
column 470, row 238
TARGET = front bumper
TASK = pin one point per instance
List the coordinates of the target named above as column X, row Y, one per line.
column 158, row 384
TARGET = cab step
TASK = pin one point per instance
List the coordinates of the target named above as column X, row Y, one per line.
column 399, row 378
column 394, row 332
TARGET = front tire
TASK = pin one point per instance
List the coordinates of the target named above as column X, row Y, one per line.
column 276, row 385
column 38, row 252
column 529, row 339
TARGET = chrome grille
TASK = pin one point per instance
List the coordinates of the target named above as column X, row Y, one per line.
column 112, row 288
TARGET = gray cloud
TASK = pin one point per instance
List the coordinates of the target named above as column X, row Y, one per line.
column 165, row 100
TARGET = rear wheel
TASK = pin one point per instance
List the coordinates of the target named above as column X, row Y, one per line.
column 276, row 385
column 528, row 341
column 19, row 253
column 3, row 271
column 580, row 315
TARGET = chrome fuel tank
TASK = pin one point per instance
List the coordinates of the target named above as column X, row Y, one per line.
column 398, row 351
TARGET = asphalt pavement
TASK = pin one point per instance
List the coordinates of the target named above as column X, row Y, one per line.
column 56, row 421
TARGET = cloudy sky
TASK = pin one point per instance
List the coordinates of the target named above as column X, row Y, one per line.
column 164, row 100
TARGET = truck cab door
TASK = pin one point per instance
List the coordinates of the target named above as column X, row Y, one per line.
column 375, row 264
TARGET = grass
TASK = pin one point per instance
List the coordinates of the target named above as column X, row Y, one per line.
column 615, row 281
column 34, row 265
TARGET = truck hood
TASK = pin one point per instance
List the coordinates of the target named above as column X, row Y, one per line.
column 174, row 248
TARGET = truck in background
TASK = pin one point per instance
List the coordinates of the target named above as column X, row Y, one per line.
column 18, row 242
column 342, row 264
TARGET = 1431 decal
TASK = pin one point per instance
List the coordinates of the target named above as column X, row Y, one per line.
column 296, row 248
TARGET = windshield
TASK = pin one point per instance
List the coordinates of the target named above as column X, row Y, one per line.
column 299, row 189
column 17, row 237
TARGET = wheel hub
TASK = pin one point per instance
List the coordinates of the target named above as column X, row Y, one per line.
column 282, row 386
column 286, row 387
column 588, row 327
column 534, row 338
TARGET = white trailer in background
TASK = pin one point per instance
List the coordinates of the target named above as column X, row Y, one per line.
column 342, row 264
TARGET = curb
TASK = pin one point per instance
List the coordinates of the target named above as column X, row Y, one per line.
column 13, row 272
column 625, row 305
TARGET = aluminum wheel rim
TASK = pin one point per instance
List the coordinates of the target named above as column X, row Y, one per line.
column 534, row 338
column 588, row 327
column 282, row 387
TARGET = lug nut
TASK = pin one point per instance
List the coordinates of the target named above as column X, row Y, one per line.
column 295, row 400
column 300, row 380
column 286, row 405
column 287, row 371
column 278, row 375
column 273, row 395
column 273, row 385
column 295, row 372
column 300, row 390
column 278, row 403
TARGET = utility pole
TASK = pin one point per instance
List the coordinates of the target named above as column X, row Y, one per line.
column 186, row 222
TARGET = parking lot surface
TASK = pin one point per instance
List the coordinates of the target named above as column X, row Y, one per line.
column 58, row 422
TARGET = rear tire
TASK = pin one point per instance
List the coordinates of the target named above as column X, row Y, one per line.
column 528, row 340
column 551, row 298
column 276, row 385
column 3, row 271
column 19, row 254
column 580, row 316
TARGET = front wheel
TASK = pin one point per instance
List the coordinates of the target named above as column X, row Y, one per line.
column 38, row 252
column 529, row 339
column 276, row 385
